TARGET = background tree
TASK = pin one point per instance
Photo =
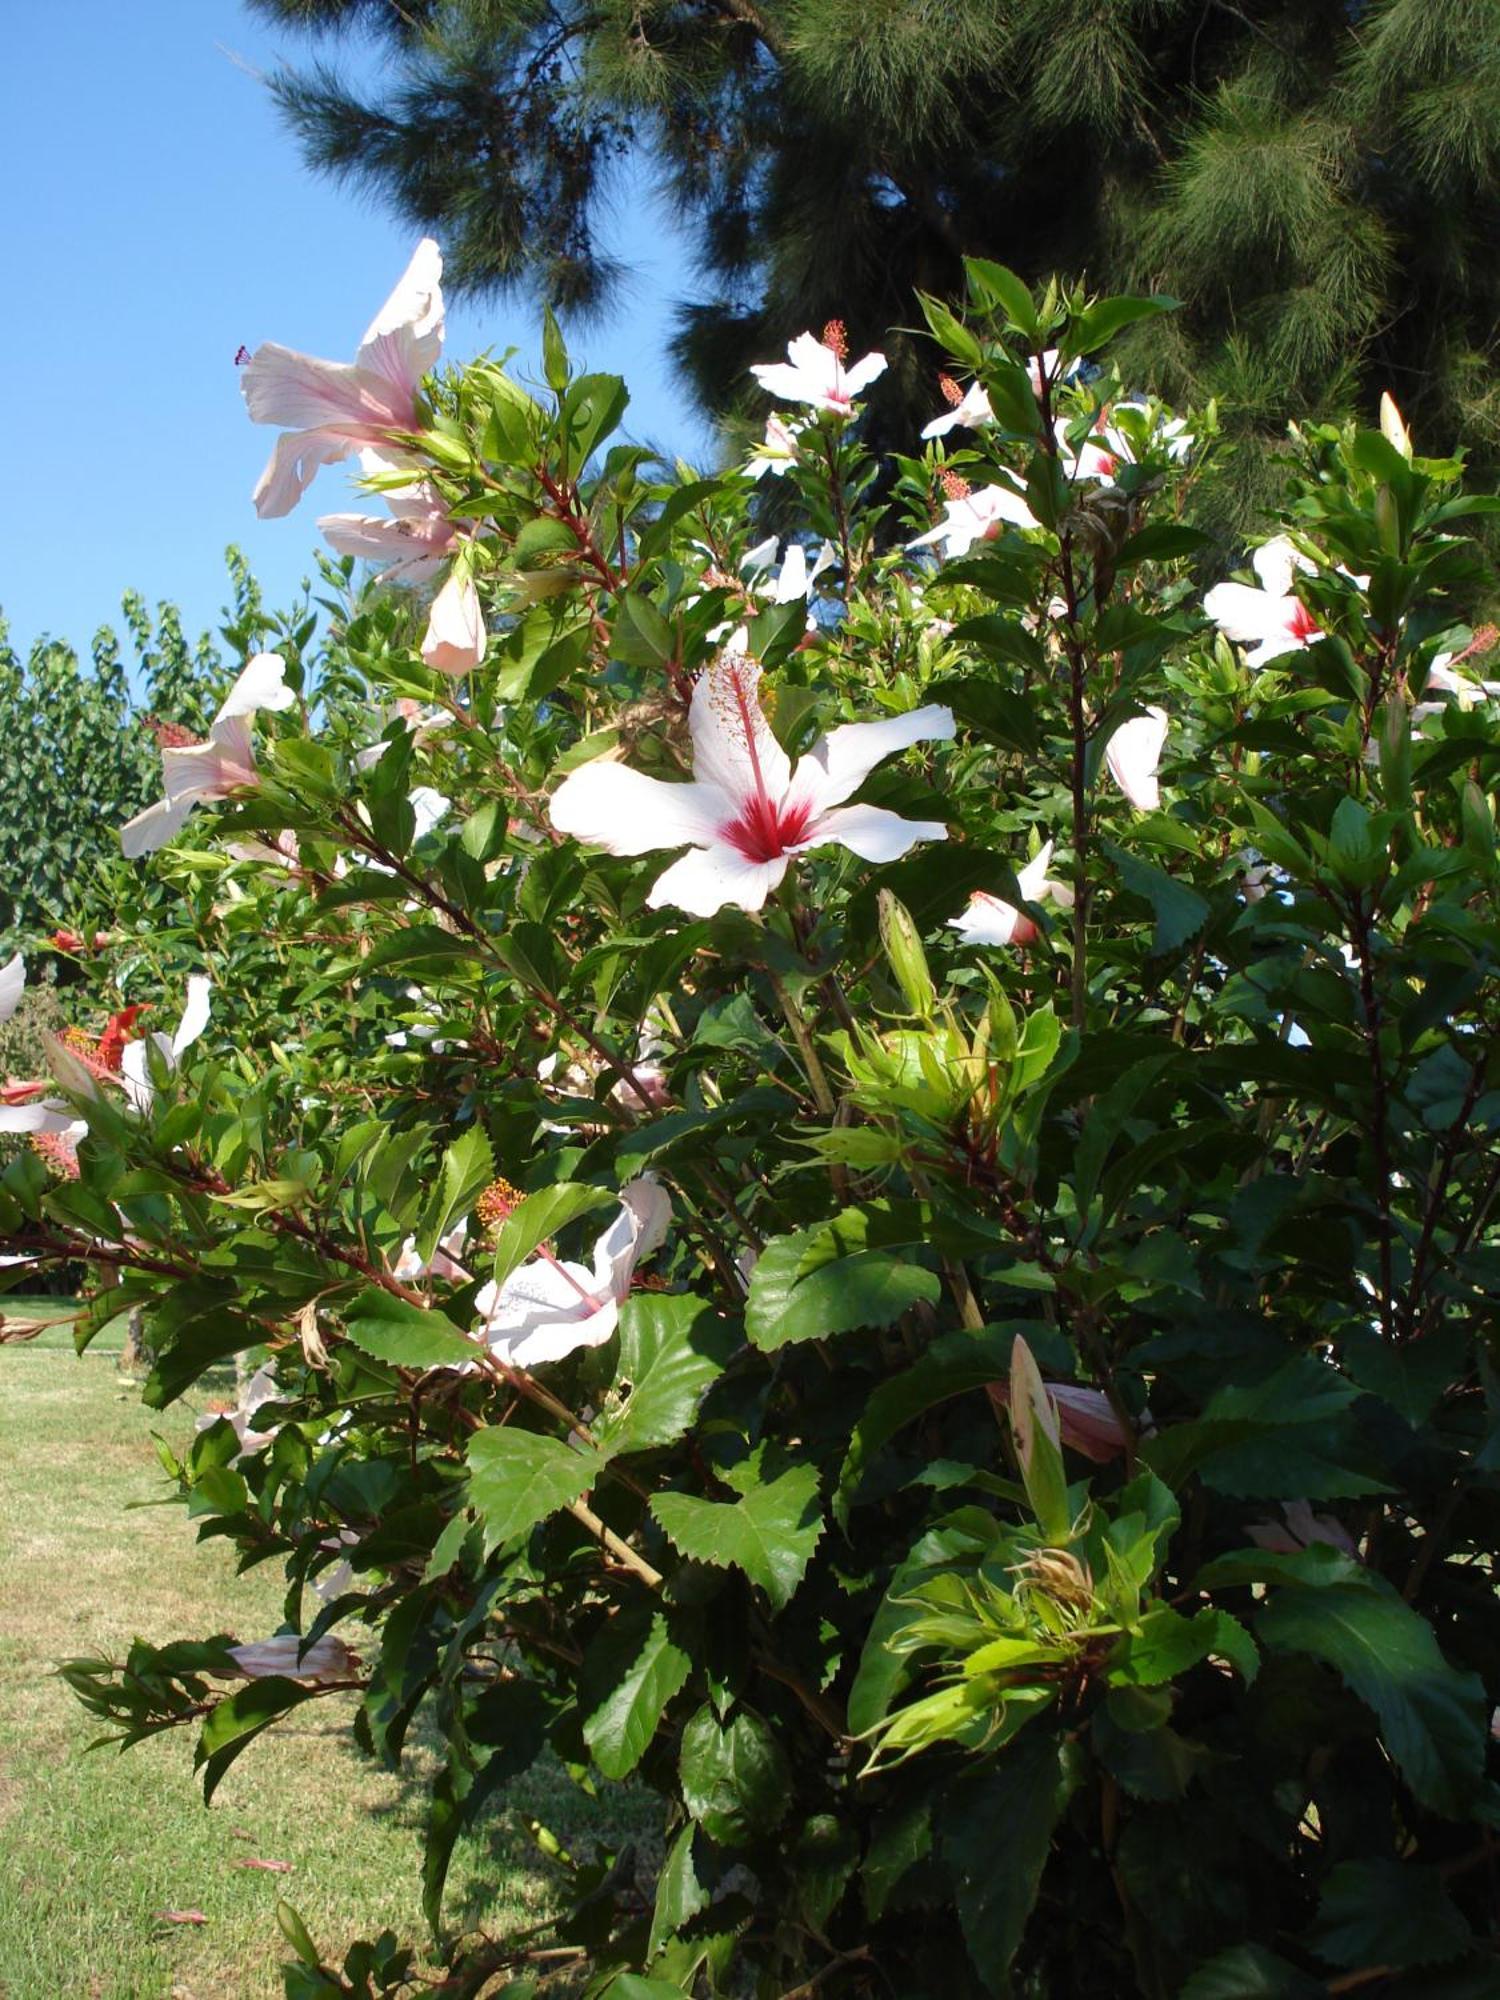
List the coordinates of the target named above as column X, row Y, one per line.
column 79, row 754
column 1316, row 179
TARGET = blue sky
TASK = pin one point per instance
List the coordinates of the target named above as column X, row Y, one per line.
column 157, row 218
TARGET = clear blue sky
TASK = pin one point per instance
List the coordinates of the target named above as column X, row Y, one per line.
column 156, row 218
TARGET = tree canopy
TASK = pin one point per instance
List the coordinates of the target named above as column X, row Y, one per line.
column 1316, row 179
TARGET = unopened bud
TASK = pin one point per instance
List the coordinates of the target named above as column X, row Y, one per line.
column 836, row 339
column 1392, row 425
column 903, row 950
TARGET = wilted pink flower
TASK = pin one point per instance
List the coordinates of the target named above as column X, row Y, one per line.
column 746, row 814
column 991, row 920
column 326, row 1659
column 331, row 408
column 1085, row 1419
column 1299, row 1529
column 1133, row 753
column 214, row 769
column 814, row 373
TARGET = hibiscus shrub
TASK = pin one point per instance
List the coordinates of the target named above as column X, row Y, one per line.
column 867, row 1169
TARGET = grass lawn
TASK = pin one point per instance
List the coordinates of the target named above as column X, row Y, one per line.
column 93, row 1848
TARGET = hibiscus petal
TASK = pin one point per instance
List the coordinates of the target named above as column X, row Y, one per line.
column 455, row 637
column 733, row 747
column 194, row 1016
column 1275, row 562
column 625, row 811
column 638, row 1229
column 154, row 827
column 1133, row 753
column 289, row 472
column 863, row 373
column 48, row 1114
column 405, row 338
column 871, row 832
column 1245, row 614
column 707, row 878
column 556, row 1339
column 839, row 763
column 261, row 684
column 987, row 920
column 12, row 985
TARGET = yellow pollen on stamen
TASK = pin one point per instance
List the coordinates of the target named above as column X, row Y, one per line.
column 954, row 484
column 836, row 339
column 496, row 1203
column 952, row 394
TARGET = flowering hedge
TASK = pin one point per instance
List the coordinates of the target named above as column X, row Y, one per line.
column 861, row 1170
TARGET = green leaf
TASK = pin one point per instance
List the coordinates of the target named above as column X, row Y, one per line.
column 900, row 1838
column 1387, row 1913
column 406, row 1335
column 954, row 1364
column 235, row 1722
column 1179, row 910
column 1098, row 324
column 1250, row 1972
column 735, row 1779
column 996, row 1831
column 539, row 1217
column 994, row 285
column 679, row 1893
column 642, row 1668
column 518, row 1478
column 1164, row 1645
column 1434, row 1720
column 804, row 1287
column 671, row 1349
column 769, row 1532
column 468, row 1167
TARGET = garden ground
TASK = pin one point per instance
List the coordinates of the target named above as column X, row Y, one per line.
column 95, row 1849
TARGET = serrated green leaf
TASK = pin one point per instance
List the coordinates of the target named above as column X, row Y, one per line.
column 406, row 1335
column 519, row 1478
column 671, row 1349
column 643, row 1667
column 769, row 1532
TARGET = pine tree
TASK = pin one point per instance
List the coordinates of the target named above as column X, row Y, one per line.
column 1317, row 180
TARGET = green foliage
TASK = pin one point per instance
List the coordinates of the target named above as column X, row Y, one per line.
column 944, row 1332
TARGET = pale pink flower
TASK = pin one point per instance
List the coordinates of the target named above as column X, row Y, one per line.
column 777, row 451
column 1102, row 454
column 326, row 1659
column 1270, row 620
column 332, row 408
column 214, row 769
column 1133, row 753
column 1441, row 679
column 410, row 547
column 135, row 1070
column 746, row 814
column 814, row 373
column 1299, row 1529
column 991, row 920
column 455, row 638
column 548, row 1309
column 443, row 1263
column 262, row 1388
column 976, row 517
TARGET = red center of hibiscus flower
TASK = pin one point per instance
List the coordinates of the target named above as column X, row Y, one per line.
column 764, row 828
column 1108, row 466
column 764, row 831
column 1302, row 625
